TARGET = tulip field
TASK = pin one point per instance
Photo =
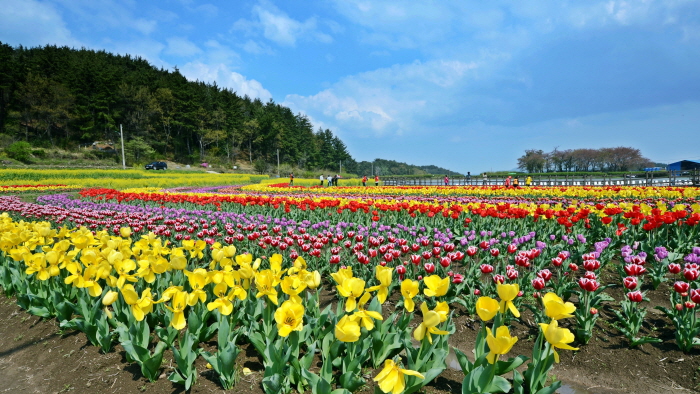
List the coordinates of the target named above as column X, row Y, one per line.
column 263, row 287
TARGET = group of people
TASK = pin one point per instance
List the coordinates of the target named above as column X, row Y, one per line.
column 332, row 180
column 515, row 182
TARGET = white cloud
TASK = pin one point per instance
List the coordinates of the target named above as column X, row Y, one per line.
column 224, row 77
column 180, row 46
column 276, row 26
column 33, row 23
column 390, row 101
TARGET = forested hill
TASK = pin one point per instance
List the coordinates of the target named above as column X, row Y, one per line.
column 62, row 97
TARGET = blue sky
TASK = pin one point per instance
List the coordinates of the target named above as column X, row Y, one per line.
column 465, row 85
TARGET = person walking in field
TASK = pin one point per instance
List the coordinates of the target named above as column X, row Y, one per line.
column 376, row 180
column 516, row 183
column 528, row 181
column 447, row 180
column 486, row 179
column 506, row 183
column 321, row 179
column 330, row 180
column 364, row 180
column 291, row 179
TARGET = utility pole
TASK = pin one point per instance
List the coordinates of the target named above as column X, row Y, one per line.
column 341, row 167
column 278, row 163
column 121, row 133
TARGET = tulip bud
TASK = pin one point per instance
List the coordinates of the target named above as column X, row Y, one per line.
column 594, row 311
column 109, row 297
column 457, row 278
column 477, row 292
column 689, row 305
column 679, row 307
column 499, row 278
column 573, row 267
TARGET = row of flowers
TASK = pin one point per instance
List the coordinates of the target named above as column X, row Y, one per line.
column 91, row 282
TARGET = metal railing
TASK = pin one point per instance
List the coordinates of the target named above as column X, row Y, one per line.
column 667, row 178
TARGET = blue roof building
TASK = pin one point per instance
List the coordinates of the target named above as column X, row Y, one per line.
column 684, row 165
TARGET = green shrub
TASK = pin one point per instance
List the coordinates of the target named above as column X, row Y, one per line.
column 20, row 150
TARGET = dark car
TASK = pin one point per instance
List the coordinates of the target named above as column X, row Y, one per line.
column 157, row 165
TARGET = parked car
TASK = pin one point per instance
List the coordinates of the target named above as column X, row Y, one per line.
column 157, row 165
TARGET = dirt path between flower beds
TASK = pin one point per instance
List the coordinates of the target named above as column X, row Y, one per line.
column 36, row 357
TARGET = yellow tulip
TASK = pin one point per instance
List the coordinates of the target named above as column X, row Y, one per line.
column 292, row 286
column 341, row 275
column 347, row 329
column 383, row 275
column 391, row 378
column 486, row 308
column 436, row 286
column 125, row 232
column 352, row 288
column 223, row 302
column 556, row 308
column 507, row 294
column 265, row 282
column 109, row 297
column 364, row 316
column 557, row 337
column 179, row 303
column 409, row 289
column 140, row 307
column 289, row 317
column 429, row 325
column 499, row 344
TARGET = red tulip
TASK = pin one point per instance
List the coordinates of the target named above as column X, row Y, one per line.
column 681, row 287
column 494, row 252
column 415, row 259
column 695, row 295
column 557, row 261
column 674, row 268
column 486, row 268
column 538, row 283
column 445, row 262
column 335, row 259
column 630, row 282
column 545, row 274
column 588, row 284
column 512, row 274
column 591, row 265
column 690, row 274
column 457, row 278
column 471, row 251
column 573, row 267
column 499, row 278
column 429, row 267
column 512, row 248
column 634, row 269
column 635, row 296
column 427, row 255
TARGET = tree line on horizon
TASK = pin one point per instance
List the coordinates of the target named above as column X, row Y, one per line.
column 583, row 160
column 58, row 97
